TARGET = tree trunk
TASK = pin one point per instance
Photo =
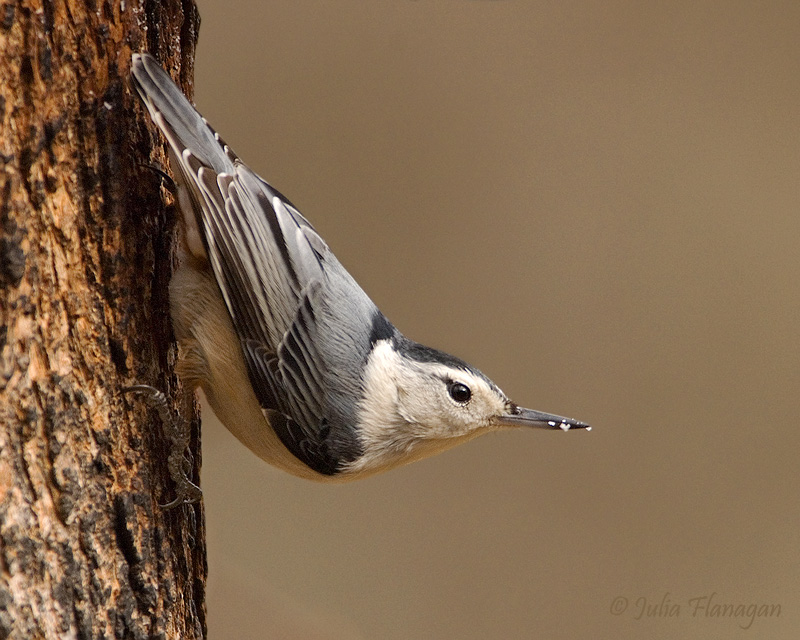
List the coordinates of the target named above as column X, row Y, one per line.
column 85, row 258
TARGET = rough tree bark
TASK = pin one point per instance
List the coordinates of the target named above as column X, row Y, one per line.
column 85, row 257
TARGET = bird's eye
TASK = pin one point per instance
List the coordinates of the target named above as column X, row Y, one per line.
column 459, row 392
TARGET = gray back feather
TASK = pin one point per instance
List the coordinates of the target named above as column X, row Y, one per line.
column 303, row 322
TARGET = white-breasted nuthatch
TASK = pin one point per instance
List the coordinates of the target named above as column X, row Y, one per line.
column 294, row 358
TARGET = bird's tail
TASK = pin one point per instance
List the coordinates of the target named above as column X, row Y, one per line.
column 182, row 125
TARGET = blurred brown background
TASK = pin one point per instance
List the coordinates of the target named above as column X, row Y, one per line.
column 596, row 204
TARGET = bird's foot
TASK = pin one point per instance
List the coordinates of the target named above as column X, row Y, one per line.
column 178, row 433
column 166, row 179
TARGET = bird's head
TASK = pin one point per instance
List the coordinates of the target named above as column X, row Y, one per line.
column 418, row 401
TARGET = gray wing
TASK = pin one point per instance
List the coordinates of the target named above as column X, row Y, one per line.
column 268, row 262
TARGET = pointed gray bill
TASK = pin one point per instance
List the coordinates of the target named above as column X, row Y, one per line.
column 529, row 418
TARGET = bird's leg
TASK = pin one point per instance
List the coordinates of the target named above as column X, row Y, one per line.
column 178, row 432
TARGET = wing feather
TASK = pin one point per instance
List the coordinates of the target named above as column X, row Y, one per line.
column 268, row 262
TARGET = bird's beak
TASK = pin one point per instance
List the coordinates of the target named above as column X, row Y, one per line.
column 519, row 417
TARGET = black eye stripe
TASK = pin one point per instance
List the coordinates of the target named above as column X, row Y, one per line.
column 459, row 392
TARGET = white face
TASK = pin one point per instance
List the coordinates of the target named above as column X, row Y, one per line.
column 438, row 401
column 413, row 409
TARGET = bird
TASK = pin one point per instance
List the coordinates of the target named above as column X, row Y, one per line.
column 293, row 356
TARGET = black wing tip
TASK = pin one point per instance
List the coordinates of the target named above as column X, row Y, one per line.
column 311, row 448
